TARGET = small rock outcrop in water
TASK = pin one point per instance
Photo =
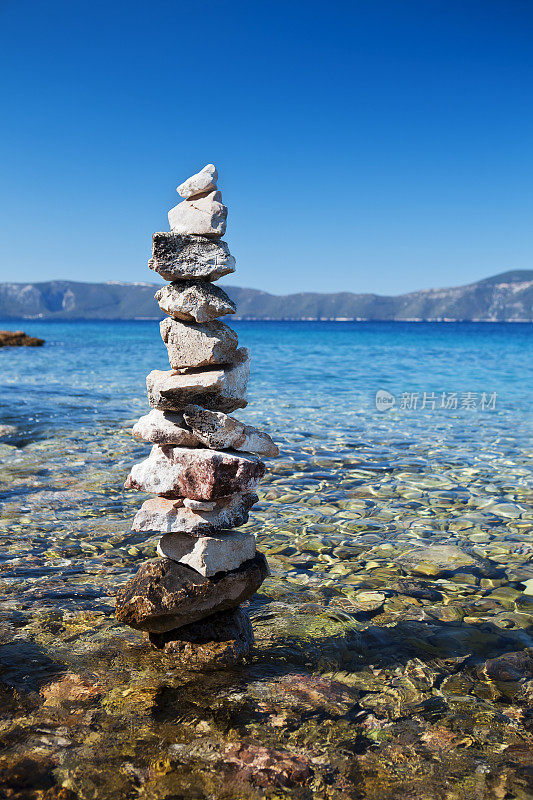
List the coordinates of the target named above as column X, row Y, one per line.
column 204, row 466
column 19, row 339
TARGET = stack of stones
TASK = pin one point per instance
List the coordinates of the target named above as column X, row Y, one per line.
column 204, row 466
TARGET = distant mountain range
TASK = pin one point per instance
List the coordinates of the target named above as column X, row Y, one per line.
column 505, row 297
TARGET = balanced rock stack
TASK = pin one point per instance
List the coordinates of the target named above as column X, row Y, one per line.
column 204, row 465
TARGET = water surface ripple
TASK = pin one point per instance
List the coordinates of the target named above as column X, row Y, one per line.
column 384, row 668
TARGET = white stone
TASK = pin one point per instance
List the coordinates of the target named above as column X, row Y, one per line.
column 208, row 554
column 200, row 182
column 176, row 516
column 164, row 427
column 194, row 301
column 216, row 389
column 198, row 344
column 201, row 216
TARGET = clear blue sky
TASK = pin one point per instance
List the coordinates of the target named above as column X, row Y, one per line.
column 379, row 146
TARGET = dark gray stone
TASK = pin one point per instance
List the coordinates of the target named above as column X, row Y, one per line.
column 176, row 257
column 221, row 640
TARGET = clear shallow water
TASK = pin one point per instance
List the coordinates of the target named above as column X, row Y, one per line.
column 370, row 674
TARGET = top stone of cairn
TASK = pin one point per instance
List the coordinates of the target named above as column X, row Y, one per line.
column 202, row 213
column 204, row 181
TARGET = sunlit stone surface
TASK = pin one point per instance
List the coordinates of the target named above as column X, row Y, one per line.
column 160, row 514
column 208, row 555
column 176, row 257
column 200, row 474
column 164, row 594
column 218, row 389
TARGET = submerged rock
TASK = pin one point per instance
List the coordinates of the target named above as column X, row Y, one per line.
column 194, row 301
column 177, row 257
column 8, row 430
column 513, row 666
column 174, row 516
column 199, row 474
column 220, row 640
column 71, row 688
column 440, row 559
column 267, row 766
column 191, row 345
column 164, row 595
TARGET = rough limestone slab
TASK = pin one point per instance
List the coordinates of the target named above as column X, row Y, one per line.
column 198, row 344
column 186, row 257
column 199, row 474
column 164, row 594
column 219, row 431
column 201, row 216
column 199, row 505
column 218, row 641
column 199, row 183
column 441, row 559
column 194, row 301
column 208, row 554
column 221, row 389
column 170, row 516
column 164, row 427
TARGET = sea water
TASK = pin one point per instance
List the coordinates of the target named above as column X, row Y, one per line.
column 373, row 661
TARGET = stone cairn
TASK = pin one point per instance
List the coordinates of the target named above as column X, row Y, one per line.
column 204, row 466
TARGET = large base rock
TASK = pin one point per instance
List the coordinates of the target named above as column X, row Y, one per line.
column 191, row 345
column 164, row 595
column 177, row 257
column 194, row 301
column 200, row 474
column 208, row 555
column 221, row 640
column 221, row 389
column 173, row 516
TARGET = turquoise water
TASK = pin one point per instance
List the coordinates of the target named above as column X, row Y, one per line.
column 353, row 490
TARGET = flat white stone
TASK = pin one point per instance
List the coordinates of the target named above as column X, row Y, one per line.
column 200, row 182
column 194, row 301
column 175, row 516
column 198, row 344
column 164, row 427
column 208, row 554
column 216, row 389
column 201, row 216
